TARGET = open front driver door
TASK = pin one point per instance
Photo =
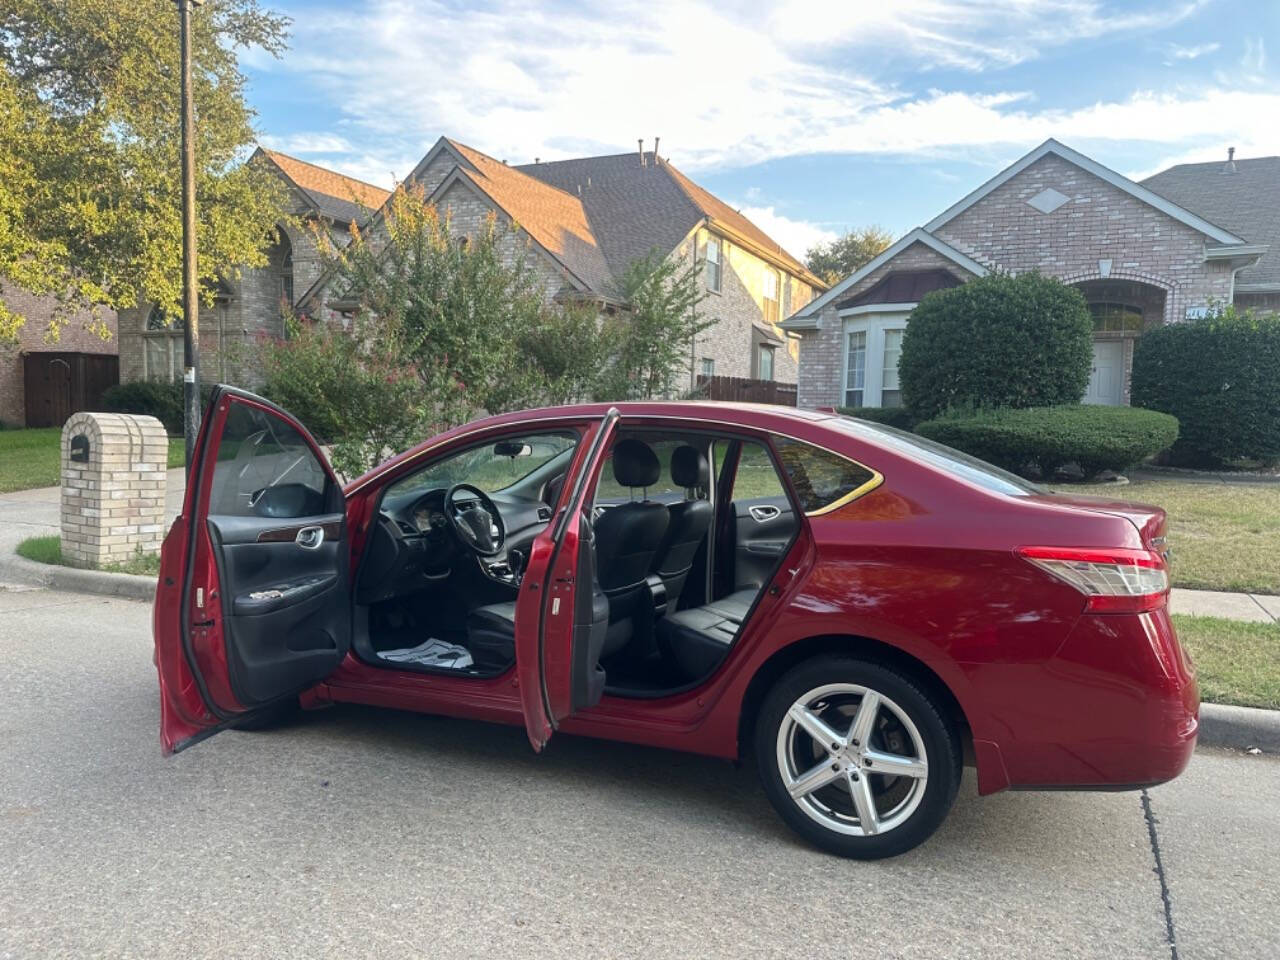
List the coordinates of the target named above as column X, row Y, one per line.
column 561, row 614
column 253, row 604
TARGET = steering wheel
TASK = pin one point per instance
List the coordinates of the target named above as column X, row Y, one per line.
column 477, row 521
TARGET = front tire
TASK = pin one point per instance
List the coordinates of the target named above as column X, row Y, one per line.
column 857, row 757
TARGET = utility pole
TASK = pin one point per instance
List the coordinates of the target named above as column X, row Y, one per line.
column 190, row 289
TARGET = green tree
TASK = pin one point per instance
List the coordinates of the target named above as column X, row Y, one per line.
column 840, row 257
column 89, row 149
column 996, row 341
column 648, row 343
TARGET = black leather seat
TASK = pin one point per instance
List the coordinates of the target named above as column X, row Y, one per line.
column 697, row 640
column 689, row 521
column 627, row 537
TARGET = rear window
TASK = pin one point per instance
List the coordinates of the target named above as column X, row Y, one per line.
column 820, row 478
column 945, row 458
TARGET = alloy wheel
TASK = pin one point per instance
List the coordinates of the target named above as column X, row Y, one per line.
column 852, row 759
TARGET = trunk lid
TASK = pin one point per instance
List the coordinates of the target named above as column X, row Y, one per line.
column 1150, row 521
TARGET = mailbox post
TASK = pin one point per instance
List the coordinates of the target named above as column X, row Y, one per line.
column 113, row 485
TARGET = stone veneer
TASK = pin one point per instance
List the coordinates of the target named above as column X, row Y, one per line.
column 113, row 503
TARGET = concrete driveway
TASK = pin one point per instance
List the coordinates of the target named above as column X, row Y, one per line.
column 362, row 832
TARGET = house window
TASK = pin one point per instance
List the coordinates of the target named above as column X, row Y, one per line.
column 1116, row 318
column 890, row 396
column 764, row 362
column 770, row 297
column 856, row 365
column 286, row 274
column 714, row 268
column 162, row 355
column 708, row 367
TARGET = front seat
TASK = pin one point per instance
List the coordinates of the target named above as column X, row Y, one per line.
column 688, row 524
column 627, row 537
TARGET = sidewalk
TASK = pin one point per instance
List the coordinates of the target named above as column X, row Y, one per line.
column 1253, row 607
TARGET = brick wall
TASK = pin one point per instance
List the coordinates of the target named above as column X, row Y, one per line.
column 73, row 337
column 822, row 351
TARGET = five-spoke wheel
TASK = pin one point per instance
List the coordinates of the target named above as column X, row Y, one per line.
column 857, row 757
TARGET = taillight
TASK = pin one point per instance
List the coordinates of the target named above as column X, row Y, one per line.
column 1119, row 580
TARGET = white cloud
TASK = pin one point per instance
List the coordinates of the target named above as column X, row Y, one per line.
column 796, row 236
column 1178, row 52
column 306, row 143
column 725, row 87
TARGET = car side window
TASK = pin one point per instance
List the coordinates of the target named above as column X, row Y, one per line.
column 265, row 468
column 757, row 477
column 820, row 477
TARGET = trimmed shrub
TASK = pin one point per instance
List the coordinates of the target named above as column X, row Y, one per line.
column 996, row 341
column 1220, row 377
column 1040, row 440
column 899, row 417
column 149, row 398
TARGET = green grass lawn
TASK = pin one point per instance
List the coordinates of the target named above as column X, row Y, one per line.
column 1237, row 663
column 30, row 458
column 49, row 550
column 1224, row 536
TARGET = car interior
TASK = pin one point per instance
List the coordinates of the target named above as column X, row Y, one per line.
column 686, row 529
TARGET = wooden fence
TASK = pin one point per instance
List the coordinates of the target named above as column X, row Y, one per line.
column 745, row 390
column 56, row 385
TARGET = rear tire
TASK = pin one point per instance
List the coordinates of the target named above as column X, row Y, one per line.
column 825, row 733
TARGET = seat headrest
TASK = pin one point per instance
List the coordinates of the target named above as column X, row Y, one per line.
column 635, row 464
column 689, row 467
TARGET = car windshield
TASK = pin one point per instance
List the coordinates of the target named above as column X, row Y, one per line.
column 492, row 466
column 945, row 458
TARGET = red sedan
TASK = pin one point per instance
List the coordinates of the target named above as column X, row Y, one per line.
column 862, row 609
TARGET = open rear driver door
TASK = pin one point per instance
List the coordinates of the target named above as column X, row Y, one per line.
column 253, row 602
column 561, row 613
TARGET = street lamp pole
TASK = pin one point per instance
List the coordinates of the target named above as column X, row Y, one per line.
column 190, row 290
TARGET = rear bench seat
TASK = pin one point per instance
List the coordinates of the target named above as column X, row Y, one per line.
column 698, row 639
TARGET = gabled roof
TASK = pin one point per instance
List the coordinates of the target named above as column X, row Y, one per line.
column 1244, row 198
column 806, row 318
column 340, row 198
column 552, row 217
column 1179, row 213
column 637, row 206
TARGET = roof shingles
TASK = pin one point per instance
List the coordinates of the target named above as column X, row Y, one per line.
column 341, row 198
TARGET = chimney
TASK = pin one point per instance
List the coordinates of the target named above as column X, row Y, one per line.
column 640, row 142
column 655, row 151
column 537, row 160
column 1230, row 165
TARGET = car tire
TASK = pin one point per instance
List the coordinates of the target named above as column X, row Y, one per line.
column 271, row 717
column 822, row 789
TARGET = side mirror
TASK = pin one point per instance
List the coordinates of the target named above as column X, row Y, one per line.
column 512, row 448
column 286, row 501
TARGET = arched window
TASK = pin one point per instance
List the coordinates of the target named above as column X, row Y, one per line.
column 286, row 271
column 1116, row 317
column 162, row 346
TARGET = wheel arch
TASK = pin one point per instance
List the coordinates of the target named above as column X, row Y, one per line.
column 876, row 651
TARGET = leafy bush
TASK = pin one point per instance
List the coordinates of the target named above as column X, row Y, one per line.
column 1045, row 438
column 996, row 341
column 899, row 417
column 152, row 398
column 1219, row 377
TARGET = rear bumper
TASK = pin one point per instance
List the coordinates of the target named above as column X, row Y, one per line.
column 1117, row 708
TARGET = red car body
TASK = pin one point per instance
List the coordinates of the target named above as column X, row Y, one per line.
column 923, row 571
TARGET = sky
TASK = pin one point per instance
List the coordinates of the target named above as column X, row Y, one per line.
column 812, row 116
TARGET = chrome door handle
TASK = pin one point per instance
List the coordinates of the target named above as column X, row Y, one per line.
column 763, row 513
column 310, row 538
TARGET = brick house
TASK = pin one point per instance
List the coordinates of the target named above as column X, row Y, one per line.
column 251, row 305
column 54, row 366
column 586, row 220
column 1142, row 254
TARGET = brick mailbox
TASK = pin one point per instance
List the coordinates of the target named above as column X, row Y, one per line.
column 113, row 477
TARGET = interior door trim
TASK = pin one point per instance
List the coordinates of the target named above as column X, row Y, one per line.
column 330, row 531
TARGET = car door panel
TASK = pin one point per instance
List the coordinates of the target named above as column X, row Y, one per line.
column 254, row 603
column 763, row 528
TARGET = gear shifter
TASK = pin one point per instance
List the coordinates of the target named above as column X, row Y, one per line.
column 516, row 559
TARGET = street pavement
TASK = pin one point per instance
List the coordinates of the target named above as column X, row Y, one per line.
column 361, row 832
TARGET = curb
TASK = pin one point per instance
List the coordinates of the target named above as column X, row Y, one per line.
column 125, row 585
column 1239, row 727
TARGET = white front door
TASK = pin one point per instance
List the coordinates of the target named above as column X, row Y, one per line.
column 1106, row 380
